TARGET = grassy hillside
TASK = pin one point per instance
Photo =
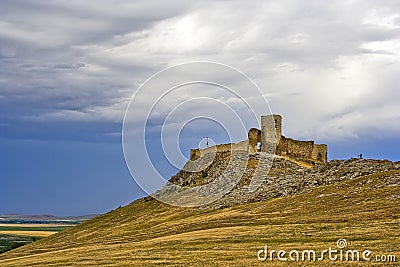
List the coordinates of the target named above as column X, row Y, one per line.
column 15, row 231
column 364, row 210
column 16, row 235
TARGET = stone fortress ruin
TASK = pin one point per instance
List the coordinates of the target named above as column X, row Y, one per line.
column 270, row 140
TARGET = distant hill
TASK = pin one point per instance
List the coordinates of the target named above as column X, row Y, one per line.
column 299, row 206
column 16, row 218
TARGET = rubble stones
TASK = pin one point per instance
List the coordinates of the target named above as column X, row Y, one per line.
column 275, row 175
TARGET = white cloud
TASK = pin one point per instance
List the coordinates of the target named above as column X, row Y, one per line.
column 327, row 67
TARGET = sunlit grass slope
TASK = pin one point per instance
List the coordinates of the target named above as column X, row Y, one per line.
column 365, row 211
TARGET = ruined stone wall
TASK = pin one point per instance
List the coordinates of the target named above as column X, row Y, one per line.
column 320, row 152
column 291, row 147
column 270, row 138
column 222, row 147
column 235, row 147
column 195, row 154
column 254, row 137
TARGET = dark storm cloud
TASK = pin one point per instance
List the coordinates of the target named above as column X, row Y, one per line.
column 81, row 61
column 42, row 66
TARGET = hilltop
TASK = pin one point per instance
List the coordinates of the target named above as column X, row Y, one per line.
column 286, row 176
column 299, row 206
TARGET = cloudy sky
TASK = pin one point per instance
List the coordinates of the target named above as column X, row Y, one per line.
column 69, row 68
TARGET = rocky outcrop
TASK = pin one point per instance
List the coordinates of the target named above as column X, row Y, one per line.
column 284, row 177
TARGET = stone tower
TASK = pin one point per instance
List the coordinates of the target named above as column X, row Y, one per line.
column 271, row 128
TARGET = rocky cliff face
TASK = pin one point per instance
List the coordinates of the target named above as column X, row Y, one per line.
column 284, row 177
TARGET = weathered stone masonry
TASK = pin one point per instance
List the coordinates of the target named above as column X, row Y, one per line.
column 273, row 142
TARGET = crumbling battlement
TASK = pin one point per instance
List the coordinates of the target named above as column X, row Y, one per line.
column 299, row 149
column 270, row 140
column 236, row 147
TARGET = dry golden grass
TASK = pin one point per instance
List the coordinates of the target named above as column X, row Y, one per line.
column 36, row 225
column 365, row 211
column 299, row 162
column 28, row 233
